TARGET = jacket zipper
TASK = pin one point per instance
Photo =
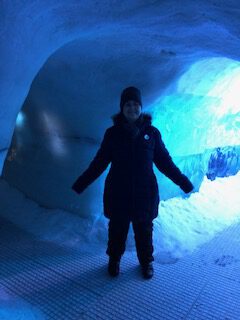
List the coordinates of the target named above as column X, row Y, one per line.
column 133, row 185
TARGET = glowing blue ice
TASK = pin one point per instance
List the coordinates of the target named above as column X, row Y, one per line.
column 20, row 119
column 201, row 110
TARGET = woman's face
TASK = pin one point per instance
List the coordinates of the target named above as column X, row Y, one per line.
column 132, row 110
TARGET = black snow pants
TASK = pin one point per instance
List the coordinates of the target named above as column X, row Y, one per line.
column 117, row 236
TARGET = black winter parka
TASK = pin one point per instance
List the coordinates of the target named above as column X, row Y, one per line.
column 131, row 187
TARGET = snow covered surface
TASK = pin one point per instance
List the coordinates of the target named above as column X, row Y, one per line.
column 183, row 224
column 14, row 308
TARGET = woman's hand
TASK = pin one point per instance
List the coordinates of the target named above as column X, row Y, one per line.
column 76, row 188
column 187, row 185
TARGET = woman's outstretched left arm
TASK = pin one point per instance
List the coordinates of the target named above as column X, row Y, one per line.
column 165, row 164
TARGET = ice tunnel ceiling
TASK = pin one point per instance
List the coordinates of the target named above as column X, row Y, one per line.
column 67, row 62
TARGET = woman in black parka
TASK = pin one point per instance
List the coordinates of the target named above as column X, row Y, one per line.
column 131, row 193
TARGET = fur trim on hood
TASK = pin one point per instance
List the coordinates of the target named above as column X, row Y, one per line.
column 144, row 118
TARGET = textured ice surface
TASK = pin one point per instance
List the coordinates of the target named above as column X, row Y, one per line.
column 14, row 308
column 201, row 109
column 182, row 225
column 67, row 74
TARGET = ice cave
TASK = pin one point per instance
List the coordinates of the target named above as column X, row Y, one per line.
column 63, row 67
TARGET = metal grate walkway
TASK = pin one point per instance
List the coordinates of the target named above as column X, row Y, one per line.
column 62, row 283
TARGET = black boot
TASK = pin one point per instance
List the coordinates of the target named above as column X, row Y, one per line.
column 113, row 267
column 147, row 270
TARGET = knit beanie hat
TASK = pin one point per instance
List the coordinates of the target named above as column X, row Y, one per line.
column 130, row 93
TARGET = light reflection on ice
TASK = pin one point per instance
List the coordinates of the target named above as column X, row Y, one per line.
column 53, row 127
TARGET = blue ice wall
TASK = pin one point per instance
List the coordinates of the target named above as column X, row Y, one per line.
column 212, row 163
column 201, row 109
column 65, row 115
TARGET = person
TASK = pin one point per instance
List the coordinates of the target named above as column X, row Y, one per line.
column 131, row 192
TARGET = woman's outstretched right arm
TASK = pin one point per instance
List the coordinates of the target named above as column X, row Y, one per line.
column 97, row 166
